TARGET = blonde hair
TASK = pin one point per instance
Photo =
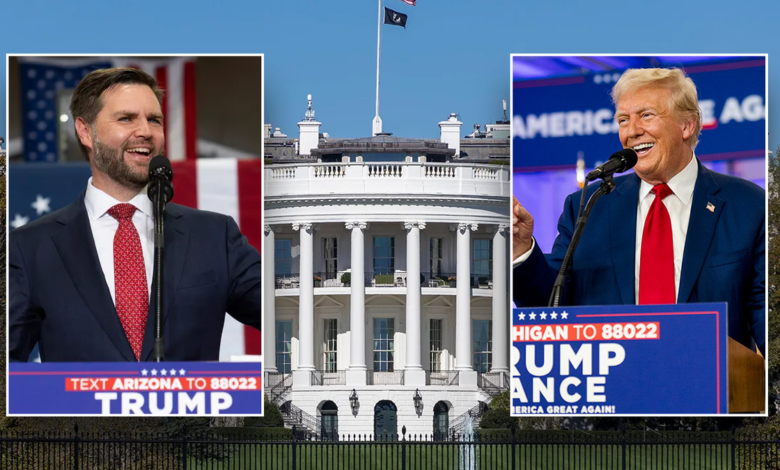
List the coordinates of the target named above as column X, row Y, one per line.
column 685, row 101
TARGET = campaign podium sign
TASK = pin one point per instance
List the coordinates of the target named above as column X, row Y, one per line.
column 135, row 389
column 620, row 360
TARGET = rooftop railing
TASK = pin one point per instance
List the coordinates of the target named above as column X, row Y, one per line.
column 387, row 178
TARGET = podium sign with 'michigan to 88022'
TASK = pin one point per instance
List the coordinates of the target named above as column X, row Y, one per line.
column 619, row 360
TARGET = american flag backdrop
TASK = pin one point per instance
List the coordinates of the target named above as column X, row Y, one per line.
column 42, row 79
column 227, row 186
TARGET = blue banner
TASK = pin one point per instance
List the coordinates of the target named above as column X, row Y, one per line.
column 557, row 120
column 620, row 360
column 136, row 389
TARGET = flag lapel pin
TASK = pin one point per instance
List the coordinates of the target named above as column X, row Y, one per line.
column 710, row 207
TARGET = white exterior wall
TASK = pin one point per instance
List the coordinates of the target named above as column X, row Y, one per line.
column 458, row 400
column 440, row 196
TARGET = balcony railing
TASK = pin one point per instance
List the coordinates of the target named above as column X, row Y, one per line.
column 442, row 377
column 382, row 279
column 321, row 377
column 385, row 278
column 493, row 383
column 287, row 281
column 329, row 279
column 385, row 378
column 384, row 178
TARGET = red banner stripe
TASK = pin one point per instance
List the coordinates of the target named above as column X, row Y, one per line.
column 190, row 113
column 161, row 73
column 185, row 183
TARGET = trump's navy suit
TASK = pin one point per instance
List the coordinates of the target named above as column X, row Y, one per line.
column 59, row 297
column 723, row 260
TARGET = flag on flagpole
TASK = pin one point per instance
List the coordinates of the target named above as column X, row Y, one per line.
column 44, row 78
column 410, row 2
column 228, row 186
column 395, row 18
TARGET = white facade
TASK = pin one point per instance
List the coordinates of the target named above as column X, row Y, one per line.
column 425, row 248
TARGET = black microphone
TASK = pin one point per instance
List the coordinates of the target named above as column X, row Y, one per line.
column 160, row 191
column 160, row 169
column 617, row 163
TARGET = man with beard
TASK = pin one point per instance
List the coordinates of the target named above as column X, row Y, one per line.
column 80, row 278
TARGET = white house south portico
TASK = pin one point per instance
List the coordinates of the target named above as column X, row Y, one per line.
column 388, row 304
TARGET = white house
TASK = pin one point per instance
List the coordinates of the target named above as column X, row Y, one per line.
column 386, row 282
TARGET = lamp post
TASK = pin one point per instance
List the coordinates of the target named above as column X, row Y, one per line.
column 418, row 404
column 354, row 403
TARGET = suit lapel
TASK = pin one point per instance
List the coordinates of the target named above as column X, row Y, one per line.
column 701, row 229
column 622, row 235
column 175, row 253
column 76, row 248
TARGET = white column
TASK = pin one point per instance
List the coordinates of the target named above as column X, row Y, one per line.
column 356, row 374
column 269, row 301
column 414, row 375
column 500, row 294
column 306, row 299
column 463, row 300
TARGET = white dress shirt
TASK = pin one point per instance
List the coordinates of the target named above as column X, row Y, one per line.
column 104, row 228
column 677, row 204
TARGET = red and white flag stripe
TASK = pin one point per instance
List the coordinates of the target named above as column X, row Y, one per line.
column 176, row 76
column 410, row 2
column 231, row 187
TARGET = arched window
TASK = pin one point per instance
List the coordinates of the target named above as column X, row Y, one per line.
column 329, row 421
column 385, row 424
column 441, row 421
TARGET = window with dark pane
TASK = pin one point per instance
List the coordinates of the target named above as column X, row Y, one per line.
column 283, row 257
column 330, row 255
column 384, row 344
column 483, row 345
column 331, row 345
column 384, row 256
column 283, row 346
column 436, row 344
column 436, row 257
column 481, row 262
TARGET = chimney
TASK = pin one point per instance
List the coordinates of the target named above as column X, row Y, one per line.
column 450, row 133
column 266, row 130
column 309, row 131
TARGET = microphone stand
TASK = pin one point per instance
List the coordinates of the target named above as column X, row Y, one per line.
column 607, row 185
column 158, row 351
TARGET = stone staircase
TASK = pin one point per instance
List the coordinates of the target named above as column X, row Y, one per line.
column 489, row 383
column 493, row 383
column 279, row 387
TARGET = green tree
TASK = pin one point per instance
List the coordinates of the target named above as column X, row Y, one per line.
column 773, row 281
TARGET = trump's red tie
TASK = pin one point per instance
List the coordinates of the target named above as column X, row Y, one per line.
column 132, row 297
column 656, row 265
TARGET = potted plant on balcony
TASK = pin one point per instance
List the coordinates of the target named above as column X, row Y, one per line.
column 317, row 281
column 346, row 279
column 453, row 281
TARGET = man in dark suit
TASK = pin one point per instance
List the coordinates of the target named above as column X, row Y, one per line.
column 80, row 278
column 672, row 232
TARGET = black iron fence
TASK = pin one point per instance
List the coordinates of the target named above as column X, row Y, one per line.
column 239, row 448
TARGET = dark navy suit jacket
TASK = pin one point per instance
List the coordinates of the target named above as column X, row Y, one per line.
column 723, row 259
column 59, row 297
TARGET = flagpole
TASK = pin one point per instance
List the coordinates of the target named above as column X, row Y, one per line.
column 377, row 125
